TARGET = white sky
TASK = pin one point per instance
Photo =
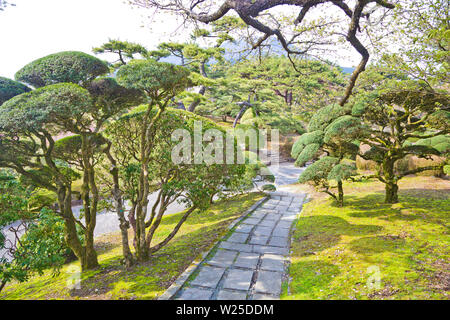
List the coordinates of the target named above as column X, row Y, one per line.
column 35, row 28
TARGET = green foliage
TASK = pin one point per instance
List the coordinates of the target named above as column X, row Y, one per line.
column 53, row 106
column 110, row 98
column 447, row 169
column 69, row 66
column 10, row 88
column 123, row 49
column 319, row 170
column 395, row 114
column 422, row 25
column 246, row 133
column 344, row 129
column 342, row 172
column 156, row 79
column 42, row 247
column 197, row 182
column 69, row 148
column 41, row 198
column 269, row 187
column 440, row 120
column 309, row 152
column 441, row 143
column 324, row 116
column 281, row 98
column 305, row 139
column 13, row 200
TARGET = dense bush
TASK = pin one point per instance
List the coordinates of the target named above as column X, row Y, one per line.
column 10, row 88
column 70, row 66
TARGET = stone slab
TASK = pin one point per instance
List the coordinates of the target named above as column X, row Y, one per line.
column 279, row 242
column 223, row 258
column 270, row 250
column 208, row 277
column 232, row 295
column 236, row 246
column 280, row 232
column 244, row 228
column 272, row 217
column 268, row 223
column 260, row 296
column 282, row 209
column 262, row 231
column 247, row 260
column 288, row 218
column 195, row 294
column 258, row 214
column 284, row 224
column 252, row 221
column 272, row 262
column 261, row 240
column 268, row 282
column 238, row 237
column 238, row 279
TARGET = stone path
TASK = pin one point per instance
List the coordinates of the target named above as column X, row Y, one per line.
column 251, row 263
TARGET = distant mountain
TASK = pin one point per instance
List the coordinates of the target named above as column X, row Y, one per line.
column 347, row 70
column 233, row 57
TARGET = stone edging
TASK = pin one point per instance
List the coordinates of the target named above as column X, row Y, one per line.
column 179, row 282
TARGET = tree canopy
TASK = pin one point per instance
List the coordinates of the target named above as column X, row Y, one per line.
column 10, row 88
column 69, row 66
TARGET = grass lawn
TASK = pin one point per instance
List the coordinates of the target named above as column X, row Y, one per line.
column 144, row 281
column 339, row 253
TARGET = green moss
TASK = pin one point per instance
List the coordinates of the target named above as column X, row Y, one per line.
column 337, row 251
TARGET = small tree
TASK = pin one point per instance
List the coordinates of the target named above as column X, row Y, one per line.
column 160, row 82
column 395, row 116
column 192, row 184
column 10, row 88
column 124, row 50
column 196, row 59
column 28, row 123
column 330, row 131
column 71, row 98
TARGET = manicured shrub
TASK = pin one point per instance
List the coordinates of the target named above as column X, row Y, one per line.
column 69, row 66
column 10, row 88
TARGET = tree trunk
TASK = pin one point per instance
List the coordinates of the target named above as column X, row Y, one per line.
column 90, row 201
column 390, row 181
column 123, row 223
column 2, row 285
column 391, row 193
column 240, row 114
column 196, row 101
column 86, row 255
column 340, row 194
column 202, row 90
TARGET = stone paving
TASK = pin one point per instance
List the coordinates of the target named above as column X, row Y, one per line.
column 251, row 263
